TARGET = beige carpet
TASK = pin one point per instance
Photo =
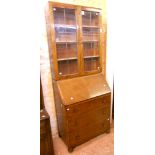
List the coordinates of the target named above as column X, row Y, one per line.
column 101, row 145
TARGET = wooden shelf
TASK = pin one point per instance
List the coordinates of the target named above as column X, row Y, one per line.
column 65, row 59
column 85, row 34
column 64, row 42
column 94, row 56
column 66, row 26
column 67, row 33
column 84, row 41
column 90, row 26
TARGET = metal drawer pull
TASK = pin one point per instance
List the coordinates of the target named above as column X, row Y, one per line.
column 43, row 116
column 67, row 109
column 108, row 119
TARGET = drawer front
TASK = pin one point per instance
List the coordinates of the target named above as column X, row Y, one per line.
column 88, row 118
column 83, row 107
column 84, row 134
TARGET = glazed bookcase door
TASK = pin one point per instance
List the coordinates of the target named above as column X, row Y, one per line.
column 65, row 26
column 91, row 40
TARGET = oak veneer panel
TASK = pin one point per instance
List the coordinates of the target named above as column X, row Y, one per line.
column 41, row 96
column 82, row 88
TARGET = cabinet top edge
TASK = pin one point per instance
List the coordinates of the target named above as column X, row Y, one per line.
column 69, row 5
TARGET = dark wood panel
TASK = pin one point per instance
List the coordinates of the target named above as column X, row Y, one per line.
column 41, row 96
column 46, row 143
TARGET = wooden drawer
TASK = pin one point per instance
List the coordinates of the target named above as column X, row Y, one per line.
column 91, row 131
column 83, row 107
column 85, row 119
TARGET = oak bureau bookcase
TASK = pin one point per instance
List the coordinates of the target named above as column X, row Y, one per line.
column 82, row 95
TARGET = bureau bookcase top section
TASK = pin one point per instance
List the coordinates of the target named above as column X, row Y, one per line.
column 75, row 40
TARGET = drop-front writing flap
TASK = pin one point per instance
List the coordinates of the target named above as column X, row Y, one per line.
column 82, row 88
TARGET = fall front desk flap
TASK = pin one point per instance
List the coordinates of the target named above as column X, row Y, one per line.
column 82, row 88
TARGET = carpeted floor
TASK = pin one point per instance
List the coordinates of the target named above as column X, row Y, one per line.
column 101, row 145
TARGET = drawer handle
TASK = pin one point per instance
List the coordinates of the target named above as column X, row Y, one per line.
column 43, row 116
column 108, row 119
column 67, row 109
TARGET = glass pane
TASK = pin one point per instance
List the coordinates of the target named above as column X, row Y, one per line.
column 91, row 64
column 91, row 38
column 86, row 17
column 70, row 17
column 73, row 66
column 90, row 34
column 66, row 50
column 58, row 15
column 67, row 58
column 90, row 18
column 95, row 18
column 91, row 49
column 64, row 16
column 65, row 34
column 66, row 37
column 63, row 67
column 67, row 67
